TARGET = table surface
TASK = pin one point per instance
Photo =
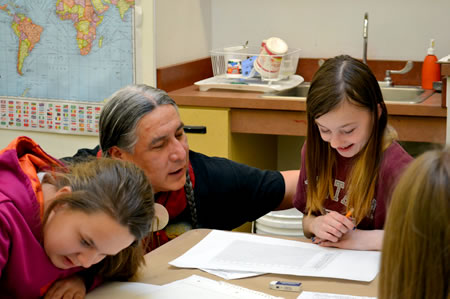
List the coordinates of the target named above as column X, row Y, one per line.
column 158, row 271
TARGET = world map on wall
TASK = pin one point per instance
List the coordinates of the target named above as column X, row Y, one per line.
column 76, row 50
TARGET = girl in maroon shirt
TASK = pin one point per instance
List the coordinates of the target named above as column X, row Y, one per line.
column 350, row 161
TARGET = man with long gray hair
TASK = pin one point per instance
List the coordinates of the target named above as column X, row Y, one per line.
column 141, row 124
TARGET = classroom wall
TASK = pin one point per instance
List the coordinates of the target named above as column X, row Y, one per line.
column 183, row 30
column 57, row 145
column 398, row 30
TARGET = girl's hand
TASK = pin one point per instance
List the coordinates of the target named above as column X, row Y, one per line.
column 330, row 227
column 69, row 288
column 357, row 240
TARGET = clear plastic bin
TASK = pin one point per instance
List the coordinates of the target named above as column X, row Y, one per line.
column 239, row 62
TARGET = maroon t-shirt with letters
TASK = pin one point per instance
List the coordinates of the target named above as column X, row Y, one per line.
column 394, row 161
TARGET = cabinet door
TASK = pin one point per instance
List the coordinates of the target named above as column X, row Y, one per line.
column 252, row 149
column 216, row 141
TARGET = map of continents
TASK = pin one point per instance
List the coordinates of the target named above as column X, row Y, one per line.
column 81, row 50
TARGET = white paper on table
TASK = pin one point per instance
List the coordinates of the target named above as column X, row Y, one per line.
column 225, row 274
column 314, row 295
column 198, row 287
column 119, row 290
column 234, row 251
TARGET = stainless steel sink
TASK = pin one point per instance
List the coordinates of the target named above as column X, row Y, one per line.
column 396, row 94
column 299, row 92
column 405, row 94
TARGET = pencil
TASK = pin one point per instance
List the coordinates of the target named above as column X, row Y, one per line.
column 349, row 213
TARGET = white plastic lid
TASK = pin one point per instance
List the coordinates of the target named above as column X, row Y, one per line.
column 276, row 45
column 431, row 48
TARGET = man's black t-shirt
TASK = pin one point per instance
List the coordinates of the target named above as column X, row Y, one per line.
column 228, row 194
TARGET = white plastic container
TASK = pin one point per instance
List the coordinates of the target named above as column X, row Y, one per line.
column 233, row 61
column 269, row 59
column 282, row 223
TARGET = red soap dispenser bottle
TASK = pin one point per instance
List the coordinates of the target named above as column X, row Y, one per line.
column 431, row 71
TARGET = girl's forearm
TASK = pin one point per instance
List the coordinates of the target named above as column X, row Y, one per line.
column 307, row 220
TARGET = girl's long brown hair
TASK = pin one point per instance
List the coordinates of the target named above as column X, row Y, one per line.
column 344, row 79
column 415, row 261
column 121, row 190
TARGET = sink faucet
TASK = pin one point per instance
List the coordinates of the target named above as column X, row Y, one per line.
column 388, row 80
column 365, row 36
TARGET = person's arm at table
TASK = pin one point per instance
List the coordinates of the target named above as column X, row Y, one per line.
column 333, row 230
column 330, row 227
column 359, row 240
column 290, row 181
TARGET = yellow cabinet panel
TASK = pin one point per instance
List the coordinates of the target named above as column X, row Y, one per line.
column 252, row 149
column 216, row 141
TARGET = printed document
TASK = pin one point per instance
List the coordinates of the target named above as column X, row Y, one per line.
column 198, row 287
column 314, row 295
column 120, row 290
column 233, row 251
column 193, row 287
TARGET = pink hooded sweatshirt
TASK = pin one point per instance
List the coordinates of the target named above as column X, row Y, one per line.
column 25, row 269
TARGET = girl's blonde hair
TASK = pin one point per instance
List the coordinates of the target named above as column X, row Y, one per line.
column 339, row 79
column 121, row 190
column 416, row 248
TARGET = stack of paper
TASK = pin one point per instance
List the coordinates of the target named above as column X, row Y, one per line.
column 193, row 287
column 231, row 251
column 314, row 295
column 119, row 290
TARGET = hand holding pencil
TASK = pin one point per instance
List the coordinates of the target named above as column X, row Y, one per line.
column 349, row 213
column 331, row 226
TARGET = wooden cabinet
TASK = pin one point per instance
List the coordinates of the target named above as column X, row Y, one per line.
column 255, row 150
column 216, row 141
column 252, row 149
column 250, row 113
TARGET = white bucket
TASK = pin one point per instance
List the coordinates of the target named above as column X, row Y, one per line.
column 282, row 223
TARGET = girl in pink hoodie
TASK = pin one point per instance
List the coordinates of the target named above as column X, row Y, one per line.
column 56, row 222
